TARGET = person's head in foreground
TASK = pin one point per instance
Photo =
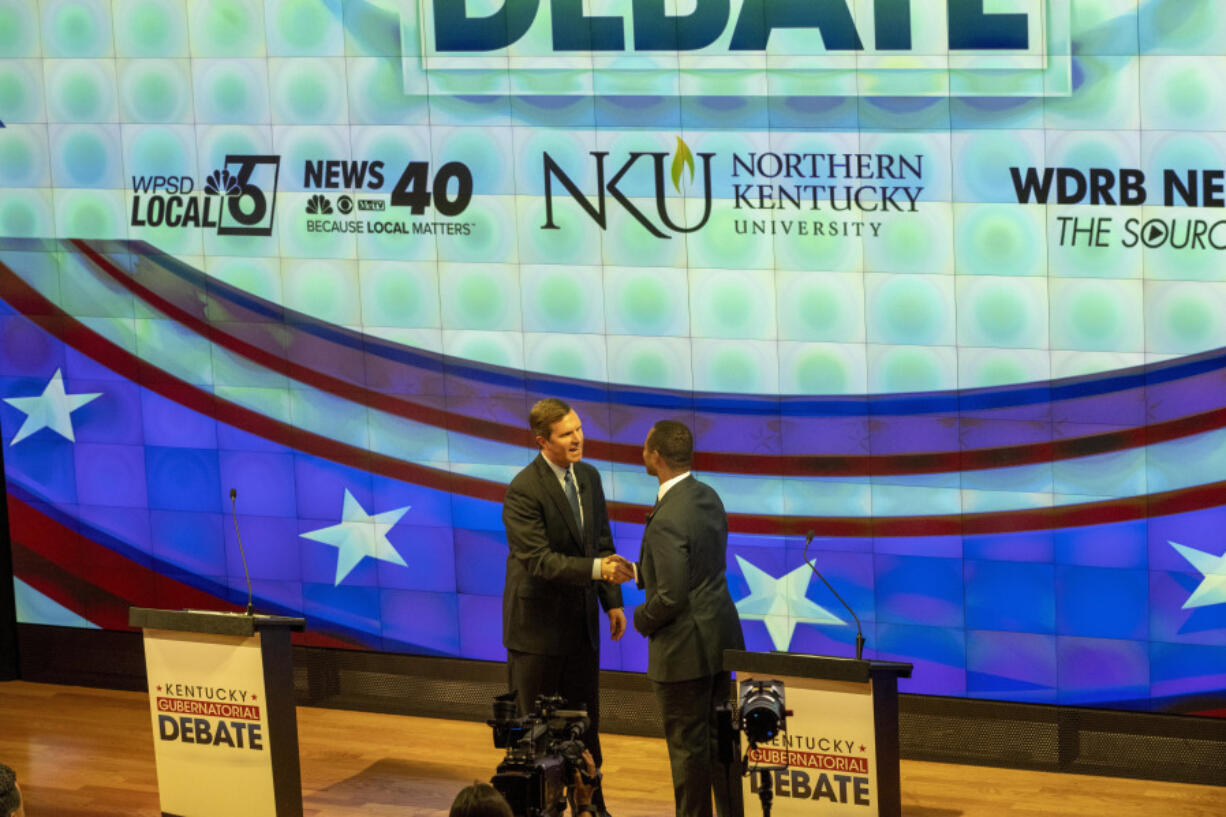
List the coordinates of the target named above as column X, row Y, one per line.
column 483, row 800
column 10, row 795
column 480, row 800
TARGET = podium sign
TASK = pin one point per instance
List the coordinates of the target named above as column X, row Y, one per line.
column 824, row 764
column 839, row 753
column 221, row 697
column 210, row 724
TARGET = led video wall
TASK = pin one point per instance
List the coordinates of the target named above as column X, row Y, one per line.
column 940, row 282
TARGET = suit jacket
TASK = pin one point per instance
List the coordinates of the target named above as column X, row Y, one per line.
column 688, row 615
column 549, row 601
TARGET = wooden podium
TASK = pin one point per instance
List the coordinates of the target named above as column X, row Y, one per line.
column 221, row 694
column 839, row 755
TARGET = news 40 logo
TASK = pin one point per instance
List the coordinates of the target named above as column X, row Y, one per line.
column 239, row 198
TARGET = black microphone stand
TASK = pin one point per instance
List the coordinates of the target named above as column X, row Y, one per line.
column 241, row 552
column 818, row 573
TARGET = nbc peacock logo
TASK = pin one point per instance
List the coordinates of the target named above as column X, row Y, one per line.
column 317, row 205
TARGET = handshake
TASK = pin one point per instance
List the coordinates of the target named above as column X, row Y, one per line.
column 616, row 569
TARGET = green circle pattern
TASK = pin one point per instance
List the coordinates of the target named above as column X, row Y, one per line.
column 1002, row 314
column 560, row 300
column 485, row 349
column 1094, row 319
column 149, row 27
column 643, row 305
column 75, row 32
column 86, row 159
column 18, row 219
column 649, row 368
column 817, row 309
column 565, row 359
column 304, row 25
column 17, row 162
column 819, row 371
column 733, row 369
column 80, row 93
column 998, row 241
column 154, row 94
column 398, row 300
column 730, row 305
column 999, row 370
column 309, row 92
column 16, row 31
column 907, row 311
column 230, row 96
column 909, row 370
column 227, row 28
column 13, row 95
column 1189, row 322
column 161, row 152
column 480, row 300
column 86, row 216
column 1187, row 94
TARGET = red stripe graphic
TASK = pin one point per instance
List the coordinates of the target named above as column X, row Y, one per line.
column 99, row 584
column 69, row 330
column 939, row 462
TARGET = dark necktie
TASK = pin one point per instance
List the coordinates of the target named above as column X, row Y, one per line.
column 572, row 496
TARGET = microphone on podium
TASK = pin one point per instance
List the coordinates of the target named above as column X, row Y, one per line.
column 818, row 573
column 241, row 552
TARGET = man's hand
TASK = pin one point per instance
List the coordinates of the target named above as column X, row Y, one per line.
column 615, row 569
column 617, row 623
column 583, row 785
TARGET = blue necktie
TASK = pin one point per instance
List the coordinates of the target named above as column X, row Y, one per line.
column 572, row 496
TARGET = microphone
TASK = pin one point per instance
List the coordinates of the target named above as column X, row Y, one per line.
column 818, row 573
column 241, row 552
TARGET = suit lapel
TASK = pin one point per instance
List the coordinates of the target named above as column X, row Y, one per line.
column 672, row 494
column 553, row 490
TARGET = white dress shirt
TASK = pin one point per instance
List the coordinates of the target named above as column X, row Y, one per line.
column 665, row 486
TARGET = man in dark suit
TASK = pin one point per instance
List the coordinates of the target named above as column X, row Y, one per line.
column 689, row 617
column 561, row 560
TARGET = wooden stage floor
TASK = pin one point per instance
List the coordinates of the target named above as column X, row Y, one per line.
column 80, row 751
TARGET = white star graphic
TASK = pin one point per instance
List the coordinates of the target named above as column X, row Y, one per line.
column 780, row 603
column 52, row 409
column 359, row 535
column 1212, row 589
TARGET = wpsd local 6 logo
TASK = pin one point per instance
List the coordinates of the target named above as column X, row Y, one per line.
column 238, row 198
column 248, row 185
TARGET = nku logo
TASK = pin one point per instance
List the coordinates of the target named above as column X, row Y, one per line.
column 683, row 160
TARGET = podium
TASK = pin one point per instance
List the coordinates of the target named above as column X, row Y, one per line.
column 221, row 695
column 839, row 755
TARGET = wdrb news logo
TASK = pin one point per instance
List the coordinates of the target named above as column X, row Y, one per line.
column 239, row 198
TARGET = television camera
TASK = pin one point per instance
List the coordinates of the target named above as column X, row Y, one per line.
column 544, row 750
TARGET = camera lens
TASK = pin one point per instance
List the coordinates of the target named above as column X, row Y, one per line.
column 762, row 710
column 761, row 722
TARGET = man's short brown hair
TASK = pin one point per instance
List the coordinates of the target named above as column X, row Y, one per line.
column 10, row 796
column 544, row 414
column 674, row 442
column 480, row 800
